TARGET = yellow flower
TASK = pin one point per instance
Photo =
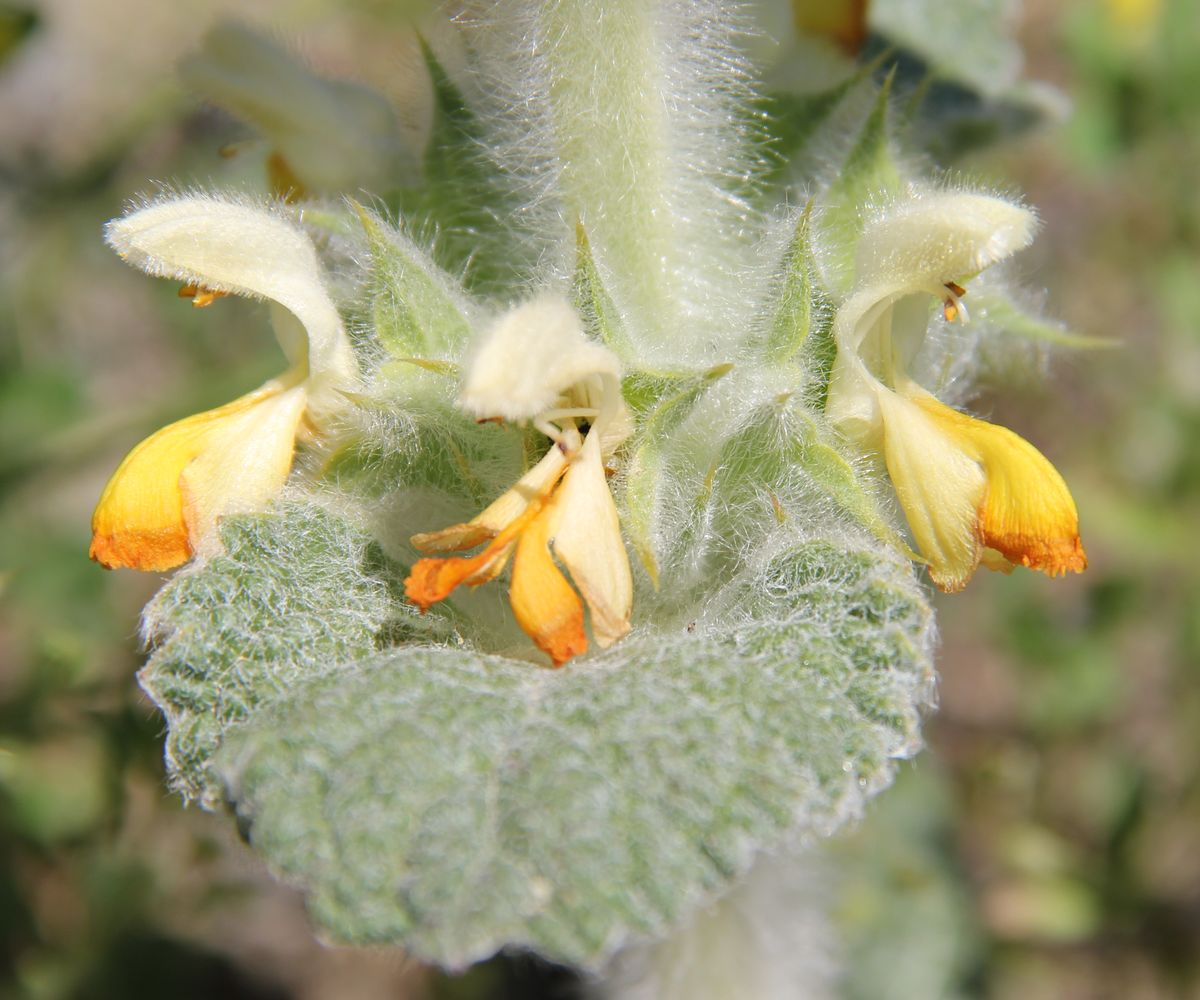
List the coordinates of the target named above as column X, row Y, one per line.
column 162, row 504
column 972, row 492
column 536, row 365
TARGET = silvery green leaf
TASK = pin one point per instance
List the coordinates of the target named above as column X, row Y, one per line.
column 417, row 311
column 459, row 198
column 783, row 462
column 792, row 316
column 666, row 402
column 456, row 802
column 410, row 441
column 802, row 122
column 298, row 592
column 868, row 175
column 798, row 331
column 592, row 300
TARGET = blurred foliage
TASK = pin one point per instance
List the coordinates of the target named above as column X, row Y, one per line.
column 15, row 25
column 1043, row 848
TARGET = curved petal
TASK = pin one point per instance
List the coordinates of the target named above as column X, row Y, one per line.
column 1027, row 513
column 243, row 467
column 940, row 236
column 229, row 246
column 433, row 580
column 940, row 488
column 529, row 358
column 501, row 512
column 162, row 503
column 543, row 602
column 588, row 543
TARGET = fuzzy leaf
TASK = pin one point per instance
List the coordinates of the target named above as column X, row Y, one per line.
column 591, row 298
column 414, row 307
column 794, row 121
column 793, row 311
column 413, row 436
column 781, row 461
column 868, row 175
column 797, row 332
column 459, row 197
column 457, row 802
column 674, row 401
column 297, row 593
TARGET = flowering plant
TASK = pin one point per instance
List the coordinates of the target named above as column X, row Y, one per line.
column 657, row 381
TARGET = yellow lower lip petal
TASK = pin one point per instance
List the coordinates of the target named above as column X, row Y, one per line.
column 938, row 486
column 543, row 602
column 1027, row 513
column 142, row 520
column 433, row 580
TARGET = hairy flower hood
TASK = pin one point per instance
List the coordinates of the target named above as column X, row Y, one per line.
column 971, row 491
column 163, row 503
column 535, row 364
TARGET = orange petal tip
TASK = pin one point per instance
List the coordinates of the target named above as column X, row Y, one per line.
column 565, row 642
column 152, row 552
column 1052, row 556
column 432, row 580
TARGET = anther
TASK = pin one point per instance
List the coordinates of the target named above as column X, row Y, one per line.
column 200, row 296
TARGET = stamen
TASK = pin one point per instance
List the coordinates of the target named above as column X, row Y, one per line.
column 952, row 306
column 567, row 438
column 201, row 297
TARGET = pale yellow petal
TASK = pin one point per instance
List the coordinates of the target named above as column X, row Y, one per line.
column 243, row 467
column 433, row 580
column 142, row 520
column 939, row 487
column 226, row 245
column 588, row 543
column 530, row 356
column 510, row 505
column 537, row 482
column 939, row 236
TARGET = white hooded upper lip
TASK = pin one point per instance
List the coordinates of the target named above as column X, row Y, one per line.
column 911, row 249
column 248, row 250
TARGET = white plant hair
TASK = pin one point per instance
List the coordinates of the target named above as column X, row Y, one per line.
column 631, row 118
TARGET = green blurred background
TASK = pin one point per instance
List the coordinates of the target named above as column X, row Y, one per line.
column 1047, row 844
